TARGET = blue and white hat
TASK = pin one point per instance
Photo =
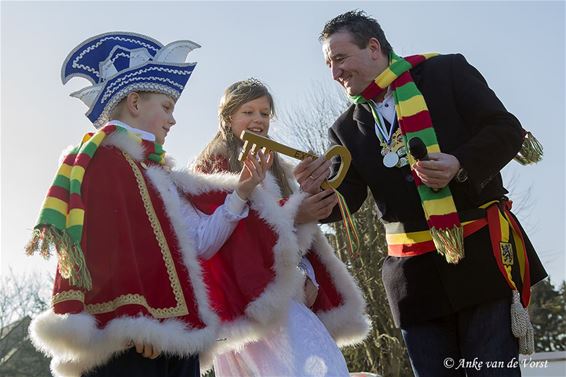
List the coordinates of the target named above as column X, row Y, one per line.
column 119, row 63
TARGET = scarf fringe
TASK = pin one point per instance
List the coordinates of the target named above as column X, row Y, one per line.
column 72, row 264
column 531, row 151
column 449, row 243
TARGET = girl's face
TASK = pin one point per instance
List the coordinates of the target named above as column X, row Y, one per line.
column 252, row 116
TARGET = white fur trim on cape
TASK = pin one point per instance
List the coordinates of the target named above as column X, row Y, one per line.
column 267, row 311
column 348, row 323
column 305, row 232
column 77, row 344
column 161, row 180
column 125, row 144
column 132, row 148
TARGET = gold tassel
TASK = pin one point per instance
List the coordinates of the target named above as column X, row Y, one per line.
column 449, row 242
column 72, row 264
column 531, row 151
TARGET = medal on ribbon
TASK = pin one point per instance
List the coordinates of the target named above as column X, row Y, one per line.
column 391, row 141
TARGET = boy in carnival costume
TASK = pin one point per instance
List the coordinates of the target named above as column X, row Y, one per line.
column 129, row 299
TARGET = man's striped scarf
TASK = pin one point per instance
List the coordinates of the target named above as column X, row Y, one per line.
column 414, row 121
column 61, row 219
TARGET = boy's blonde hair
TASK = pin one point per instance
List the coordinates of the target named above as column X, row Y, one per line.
column 226, row 144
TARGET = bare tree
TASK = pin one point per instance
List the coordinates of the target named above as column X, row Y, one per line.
column 307, row 124
column 23, row 295
column 21, row 298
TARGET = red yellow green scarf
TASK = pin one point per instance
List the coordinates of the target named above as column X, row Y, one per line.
column 414, row 121
column 61, row 219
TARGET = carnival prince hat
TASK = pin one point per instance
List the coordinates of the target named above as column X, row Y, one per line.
column 119, row 63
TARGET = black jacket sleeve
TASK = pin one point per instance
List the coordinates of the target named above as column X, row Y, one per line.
column 497, row 134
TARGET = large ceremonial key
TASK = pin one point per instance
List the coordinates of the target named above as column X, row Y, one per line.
column 254, row 142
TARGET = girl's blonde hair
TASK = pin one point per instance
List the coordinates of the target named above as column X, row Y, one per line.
column 226, row 144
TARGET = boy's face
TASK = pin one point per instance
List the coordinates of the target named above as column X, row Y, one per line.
column 156, row 115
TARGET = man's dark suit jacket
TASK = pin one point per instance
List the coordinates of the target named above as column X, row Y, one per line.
column 471, row 124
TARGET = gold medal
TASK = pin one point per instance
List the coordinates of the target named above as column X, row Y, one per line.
column 398, row 147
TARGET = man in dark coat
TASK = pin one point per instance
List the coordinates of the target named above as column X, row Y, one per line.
column 451, row 311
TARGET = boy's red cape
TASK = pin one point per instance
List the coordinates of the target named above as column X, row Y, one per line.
column 146, row 277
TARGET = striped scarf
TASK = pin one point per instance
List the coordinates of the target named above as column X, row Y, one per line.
column 414, row 121
column 61, row 219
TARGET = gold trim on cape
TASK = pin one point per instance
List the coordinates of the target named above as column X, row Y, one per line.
column 180, row 309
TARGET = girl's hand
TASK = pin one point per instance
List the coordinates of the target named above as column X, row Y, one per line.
column 253, row 173
column 311, row 292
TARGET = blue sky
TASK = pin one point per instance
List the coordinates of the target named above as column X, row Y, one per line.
column 518, row 46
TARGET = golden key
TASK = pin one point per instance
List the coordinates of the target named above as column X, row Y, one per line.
column 254, row 142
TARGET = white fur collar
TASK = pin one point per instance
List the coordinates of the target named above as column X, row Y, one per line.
column 131, row 147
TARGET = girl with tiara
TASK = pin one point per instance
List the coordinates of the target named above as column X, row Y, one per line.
column 285, row 301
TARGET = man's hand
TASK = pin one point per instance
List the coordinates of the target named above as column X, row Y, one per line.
column 146, row 350
column 316, row 207
column 438, row 171
column 310, row 174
